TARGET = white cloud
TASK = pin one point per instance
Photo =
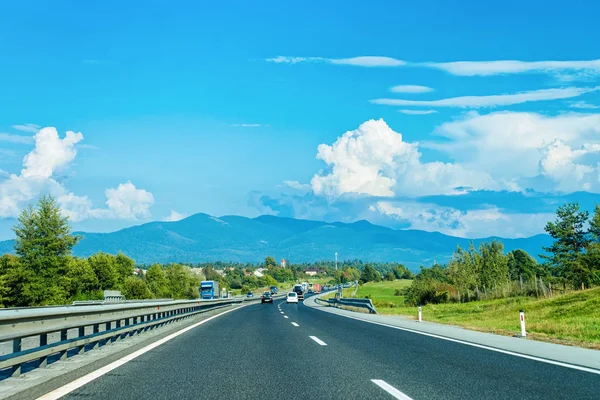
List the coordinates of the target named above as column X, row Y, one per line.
column 52, row 154
column 493, row 100
column 560, row 163
column 7, row 137
column 583, row 105
column 374, row 160
column 175, row 216
column 487, row 68
column 410, row 89
column 511, row 145
column 128, row 202
column 304, row 187
column 417, row 112
column 362, row 61
column 479, row 223
column 30, row 128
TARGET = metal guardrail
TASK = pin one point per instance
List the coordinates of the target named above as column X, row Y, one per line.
column 103, row 322
column 358, row 303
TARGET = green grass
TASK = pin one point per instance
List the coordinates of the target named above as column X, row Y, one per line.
column 572, row 318
column 381, row 293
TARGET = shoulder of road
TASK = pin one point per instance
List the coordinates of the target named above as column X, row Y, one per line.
column 554, row 353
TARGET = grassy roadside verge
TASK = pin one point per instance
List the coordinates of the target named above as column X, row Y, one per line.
column 572, row 319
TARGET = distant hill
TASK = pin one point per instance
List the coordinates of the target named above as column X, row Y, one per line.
column 201, row 238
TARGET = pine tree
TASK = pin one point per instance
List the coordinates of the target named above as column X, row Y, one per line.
column 570, row 240
column 44, row 244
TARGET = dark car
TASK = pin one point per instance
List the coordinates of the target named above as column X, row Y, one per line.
column 250, row 294
column 266, row 298
column 274, row 290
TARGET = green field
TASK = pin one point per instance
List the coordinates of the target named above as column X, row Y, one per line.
column 573, row 318
column 381, row 293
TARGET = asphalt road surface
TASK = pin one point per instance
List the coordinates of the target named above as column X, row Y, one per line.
column 258, row 353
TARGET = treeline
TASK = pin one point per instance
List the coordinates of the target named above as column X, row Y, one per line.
column 571, row 262
column 43, row 271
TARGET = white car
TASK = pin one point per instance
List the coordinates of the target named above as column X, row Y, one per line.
column 291, row 297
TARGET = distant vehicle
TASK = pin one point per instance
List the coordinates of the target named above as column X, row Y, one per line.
column 299, row 290
column 266, row 298
column 274, row 290
column 250, row 294
column 291, row 297
column 317, row 288
column 304, row 287
column 209, row 290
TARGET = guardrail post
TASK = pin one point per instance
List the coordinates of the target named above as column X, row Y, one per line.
column 63, row 337
column 420, row 314
column 43, row 342
column 522, row 318
column 16, row 369
column 81, row 334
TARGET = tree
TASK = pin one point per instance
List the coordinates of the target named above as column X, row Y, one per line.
column 135, row 288
column 594, row 228
column 369, row 274
column 521, row 265
column 282, row 274
column 182, row 283
column 104, row 267
column 570, row 239
column 44, row 244
column 124, row 267
column 84, row 281
column 270, row 262
column 401, row 272
column 587, row 271
column 390, row 276
column 492, row 265
column 157, row 282
column 462, row 269
column 211, row 274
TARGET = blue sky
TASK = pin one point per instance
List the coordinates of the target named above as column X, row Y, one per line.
column 238, row 108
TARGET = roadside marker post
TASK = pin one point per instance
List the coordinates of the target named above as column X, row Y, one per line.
column 420, row 315
column 522, row 317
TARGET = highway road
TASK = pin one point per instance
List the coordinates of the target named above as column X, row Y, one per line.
column 294, row 351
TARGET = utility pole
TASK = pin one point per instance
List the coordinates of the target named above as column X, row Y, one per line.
column 336, row 260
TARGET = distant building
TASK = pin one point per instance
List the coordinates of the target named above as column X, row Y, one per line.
column 312, row 271
column 139, row 271
column 259, row 272
column 283, row 263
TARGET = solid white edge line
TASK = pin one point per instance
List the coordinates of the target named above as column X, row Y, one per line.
column 316, row 339
column 481, row 346
column 390, row 389
column 285, row 316
column 295, row 324
column 77, row 383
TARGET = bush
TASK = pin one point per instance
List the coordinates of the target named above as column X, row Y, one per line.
column 135, row 288
column 397, row 292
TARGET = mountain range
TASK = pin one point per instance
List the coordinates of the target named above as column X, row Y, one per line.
column 202, row 238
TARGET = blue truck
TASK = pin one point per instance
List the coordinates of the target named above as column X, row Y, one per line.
column 209, row 290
